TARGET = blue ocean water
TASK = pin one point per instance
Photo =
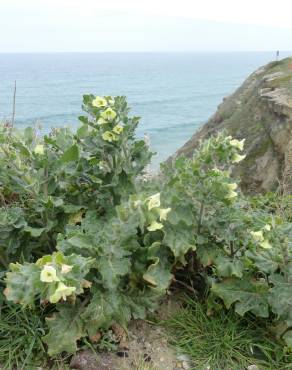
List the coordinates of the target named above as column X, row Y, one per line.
column 174, row 93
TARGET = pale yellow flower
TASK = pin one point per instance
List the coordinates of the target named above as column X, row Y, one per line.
column 267, row 227
column 236, row 158
column 48, row 274
column 239, row 144
column 39, row 149
column 231, row 194
column 217, row 171
column 109, row 136
column 257, row 235
column 101, row 121
column 62, row 292
column 109, row 114
column 99, row 102
column 118, row 129
column 153, row 201
column 163, row 212
column 155, row 226
column 66, row 268
column 232, row 186
column 265, row 244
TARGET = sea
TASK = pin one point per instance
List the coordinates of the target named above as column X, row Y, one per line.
column 173, row 93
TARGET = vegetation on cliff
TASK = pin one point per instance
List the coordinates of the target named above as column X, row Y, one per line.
column 87, row 242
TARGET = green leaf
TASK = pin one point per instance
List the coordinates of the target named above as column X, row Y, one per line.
column 265, row 261
column 34, row 231
column 179, row 239
column 57, row 202
column 288, row 338
column 280, row 297
column 82, row 131
column 66, row 327
column 23, row 283
column 81, row 241
column 246, row 295
column 227, row 267
column 71, row 154
column 158, row 275
column 72, row 208
column 83, row 120
column 22, row 149
column 99, row 314
column 141, row 301
column 111, row 269
column 207, row 253
column 13, row 217
column 181, row 214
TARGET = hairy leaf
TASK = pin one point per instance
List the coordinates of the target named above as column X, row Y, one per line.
column 246, row 294
column 179, row 239
column 71, row 154
column 66, row 327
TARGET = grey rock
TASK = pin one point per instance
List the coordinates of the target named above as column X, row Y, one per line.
column 261, row 112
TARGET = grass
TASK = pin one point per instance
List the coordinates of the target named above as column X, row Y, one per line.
column 20, row 338
column 140, row 365
column 223, row 341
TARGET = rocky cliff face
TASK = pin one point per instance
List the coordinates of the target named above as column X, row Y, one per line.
column 260, row 111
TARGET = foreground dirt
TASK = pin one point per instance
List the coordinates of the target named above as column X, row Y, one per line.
column 148, row 349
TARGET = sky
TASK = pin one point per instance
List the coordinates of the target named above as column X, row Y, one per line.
column 145, row 25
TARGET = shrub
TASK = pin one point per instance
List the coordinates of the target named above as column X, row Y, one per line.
column 243, row 251
column 102, row 248
column 74, row 195
column 46, row 183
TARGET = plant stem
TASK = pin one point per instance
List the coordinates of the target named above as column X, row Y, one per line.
column 232, row 253
column 200, row 217
column 188, row 287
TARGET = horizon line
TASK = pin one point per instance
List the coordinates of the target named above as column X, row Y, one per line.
column 145, row 51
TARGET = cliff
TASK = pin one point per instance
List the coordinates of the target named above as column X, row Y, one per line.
column 260, row 111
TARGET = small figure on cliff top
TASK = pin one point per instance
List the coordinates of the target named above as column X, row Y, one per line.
column 277, row 55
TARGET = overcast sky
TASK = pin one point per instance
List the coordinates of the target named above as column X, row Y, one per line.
column 145, row 25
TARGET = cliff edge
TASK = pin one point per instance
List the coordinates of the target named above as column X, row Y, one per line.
column 261, row 112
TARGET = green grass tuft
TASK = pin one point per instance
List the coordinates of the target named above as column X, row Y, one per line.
column 21, row 330
column 224, row 341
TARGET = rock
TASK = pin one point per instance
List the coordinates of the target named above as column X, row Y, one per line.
column 252, row 367
column 84, row 360
column 185, row 365
column 182, row 357
column 261, row 112
column 184, row 361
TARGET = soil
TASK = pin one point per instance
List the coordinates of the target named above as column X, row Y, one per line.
column 148, row 349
